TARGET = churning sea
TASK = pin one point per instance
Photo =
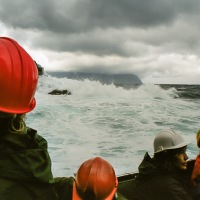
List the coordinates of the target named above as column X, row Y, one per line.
column 115, row 123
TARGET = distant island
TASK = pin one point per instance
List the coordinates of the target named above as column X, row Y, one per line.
column 116, row 79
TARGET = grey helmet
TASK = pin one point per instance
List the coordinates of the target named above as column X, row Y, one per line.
column 168, row 139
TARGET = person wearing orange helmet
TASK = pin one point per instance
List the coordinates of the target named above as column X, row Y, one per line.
column 95, row 180
column 25, row 167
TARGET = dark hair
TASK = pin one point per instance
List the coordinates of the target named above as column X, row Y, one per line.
column 14, row 123
column 86, row 195
column 167, row 158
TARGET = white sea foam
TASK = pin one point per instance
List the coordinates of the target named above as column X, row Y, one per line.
column 104, row 120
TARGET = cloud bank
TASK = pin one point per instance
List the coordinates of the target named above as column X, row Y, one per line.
column 157, row 40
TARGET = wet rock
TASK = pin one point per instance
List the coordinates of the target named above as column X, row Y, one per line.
column 60, row 92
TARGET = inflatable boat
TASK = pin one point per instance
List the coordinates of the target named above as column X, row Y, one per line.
column 126, row 182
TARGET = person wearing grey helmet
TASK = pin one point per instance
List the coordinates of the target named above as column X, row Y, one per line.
column 163, row 176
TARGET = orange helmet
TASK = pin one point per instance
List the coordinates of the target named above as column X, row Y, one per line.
column 18, row 78
column 95, row 180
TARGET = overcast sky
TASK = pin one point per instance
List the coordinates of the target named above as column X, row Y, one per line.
column 158, row 40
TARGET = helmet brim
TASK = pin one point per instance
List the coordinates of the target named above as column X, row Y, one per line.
column 75, row 195
column 183, row 144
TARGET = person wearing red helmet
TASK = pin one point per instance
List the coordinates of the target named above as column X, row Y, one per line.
column 95, row 180
column 25, row 167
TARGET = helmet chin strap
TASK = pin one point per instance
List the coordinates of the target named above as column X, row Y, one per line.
column 16, row 124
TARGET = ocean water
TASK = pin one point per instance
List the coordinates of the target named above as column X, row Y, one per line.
column 115, row 123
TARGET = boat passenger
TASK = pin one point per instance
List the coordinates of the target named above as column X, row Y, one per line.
column 95, row 180
column 163, row 176
column 25, row 165
column 195, row 177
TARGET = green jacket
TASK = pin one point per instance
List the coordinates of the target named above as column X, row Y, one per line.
column 25, row 169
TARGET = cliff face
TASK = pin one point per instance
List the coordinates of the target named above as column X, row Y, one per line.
column 40, row 69
column 117, row 79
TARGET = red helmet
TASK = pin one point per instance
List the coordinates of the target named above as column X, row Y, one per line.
column 95, row 180
column 18, row 78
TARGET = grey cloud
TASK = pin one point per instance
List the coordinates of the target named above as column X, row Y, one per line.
column 140, row 31
column 125, row 43
column 98, row 43
column 84, row 15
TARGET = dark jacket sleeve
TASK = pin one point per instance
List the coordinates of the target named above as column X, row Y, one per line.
column 63, row 187
column 175, row 190
column 158, row 187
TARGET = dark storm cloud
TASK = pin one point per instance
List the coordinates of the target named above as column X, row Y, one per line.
column 69, row 25
column 148, row 37
column 100, row 43
column 81, row 16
